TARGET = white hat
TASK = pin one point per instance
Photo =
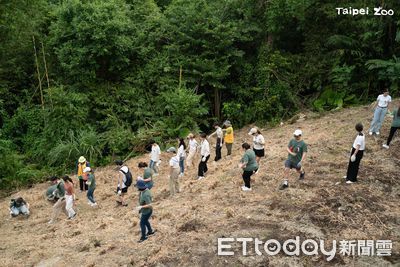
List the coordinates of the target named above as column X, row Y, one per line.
column 171, row 150
column 227, row 123
column 298, row 132
column 87, row 169
column 81, row 159
column 253, row 131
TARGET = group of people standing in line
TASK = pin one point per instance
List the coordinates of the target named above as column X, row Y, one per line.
column 62, row 190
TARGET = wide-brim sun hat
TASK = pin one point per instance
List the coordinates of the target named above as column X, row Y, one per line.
column 227, row 123
column 87, row 169
column 190, row 135
column 82, row 159
column 171, row 150
column 253, row 131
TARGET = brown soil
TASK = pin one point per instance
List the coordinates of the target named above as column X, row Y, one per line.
column 189, row 223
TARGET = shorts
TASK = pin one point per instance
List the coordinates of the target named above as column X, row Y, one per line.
column 259, row 152
column 292, row 165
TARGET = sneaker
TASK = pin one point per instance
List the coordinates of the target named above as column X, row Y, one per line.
column 302, row 176
column 284, row 185
column 90, row 203
column 378, row 133
column 385, row 146
column 344, row 177
column 200, row 178
column 244, row 188
column 142, row 239
column 349, row 182
column 72, row 217
column 371, row 133
column 94, row 204
column 181, row 174
column 51, row 222
column 151, row 233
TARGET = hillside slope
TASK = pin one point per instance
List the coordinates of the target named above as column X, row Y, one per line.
column 320, row 207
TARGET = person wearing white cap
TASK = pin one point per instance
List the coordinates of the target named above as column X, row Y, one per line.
column 91, row 182
column 174, row 171
column 193, row 145
column 220, row 140
column 228, row 138
column 258, row 143
column 80, row 166
column 205, row 155
column 297, row 151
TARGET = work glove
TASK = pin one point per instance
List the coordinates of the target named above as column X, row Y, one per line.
column 139, row 208
column 299, row 165
column 203, row 159
column 353, row 158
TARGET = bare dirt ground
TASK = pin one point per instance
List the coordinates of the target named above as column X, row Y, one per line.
column 189, row 223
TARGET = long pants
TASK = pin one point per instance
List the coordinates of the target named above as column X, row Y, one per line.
column 391, row 134
column 82, row 185
column 182, row 165
column 69, row 203
column 218, row 148
column 352, row 170
column 144, row 223
column 90, row 195
column 174, row 182
column 379, row 117
column 203, row 166
column 153, row 166
column 190, row 158
column 229, row 148
column 246, row 177
column 19, row 210
column 59, row 207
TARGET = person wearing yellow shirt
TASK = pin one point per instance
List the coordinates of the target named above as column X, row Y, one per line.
column 81, row 165
column 228, row 136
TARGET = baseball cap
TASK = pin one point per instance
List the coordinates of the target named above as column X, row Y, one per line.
column 253, row 131
column 298, row 132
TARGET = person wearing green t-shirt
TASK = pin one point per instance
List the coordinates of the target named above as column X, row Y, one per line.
column 249, row 165
column 91, row 182
column 297, row 151
column 145, row 209
column 394, row 128
column 147, row 174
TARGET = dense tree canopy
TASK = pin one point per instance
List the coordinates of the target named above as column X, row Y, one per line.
column 114, row 74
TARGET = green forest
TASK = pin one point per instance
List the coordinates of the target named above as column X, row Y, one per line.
column 102, row 78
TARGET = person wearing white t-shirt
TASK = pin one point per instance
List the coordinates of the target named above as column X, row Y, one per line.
column 258, row 143
column 193, row 145
column 174, row 171
column 381, row 108
column 205, row 155
column 182, row 155
column 357, row 153
column 220, row 140
column 154, row 156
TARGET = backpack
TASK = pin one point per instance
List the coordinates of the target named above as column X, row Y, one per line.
column 128, row 178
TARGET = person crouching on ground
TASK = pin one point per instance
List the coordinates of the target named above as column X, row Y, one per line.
column 174, row 171
column 69, row 196
column 249, row 165
column 91, row 182
column 145, row 209
column 297, row 151
column 19, row 206
column 357, row 153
